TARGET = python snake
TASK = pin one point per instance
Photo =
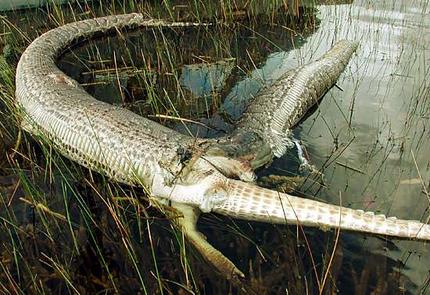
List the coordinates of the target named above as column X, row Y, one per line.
column 134, row 150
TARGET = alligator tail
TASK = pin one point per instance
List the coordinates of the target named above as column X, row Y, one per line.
column 250, row 202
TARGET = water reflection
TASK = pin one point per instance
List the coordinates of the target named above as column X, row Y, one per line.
column 370, row 138
column 378, row 125
column 387, row 76
column 23, row 4
column 203, row 79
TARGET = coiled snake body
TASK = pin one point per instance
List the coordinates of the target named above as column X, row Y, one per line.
column 134, row 150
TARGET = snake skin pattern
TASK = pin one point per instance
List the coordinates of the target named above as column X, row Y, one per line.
column 134, row 150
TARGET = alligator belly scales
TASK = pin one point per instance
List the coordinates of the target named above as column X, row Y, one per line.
column 134, row 150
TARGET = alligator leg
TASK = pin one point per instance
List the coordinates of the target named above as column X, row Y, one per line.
column 187, row 223
column 281, row 183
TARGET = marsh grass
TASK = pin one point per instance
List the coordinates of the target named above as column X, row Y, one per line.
column 66, row 230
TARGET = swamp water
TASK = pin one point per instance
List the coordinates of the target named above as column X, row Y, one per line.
column 370, row 140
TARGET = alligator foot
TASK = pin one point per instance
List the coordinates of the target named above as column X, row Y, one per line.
column 187, row 223
column 281, row 183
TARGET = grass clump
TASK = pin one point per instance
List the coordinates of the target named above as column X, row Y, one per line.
column 67, row 230
column 64, row 229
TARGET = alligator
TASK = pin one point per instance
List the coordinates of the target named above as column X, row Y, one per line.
column 217, row 174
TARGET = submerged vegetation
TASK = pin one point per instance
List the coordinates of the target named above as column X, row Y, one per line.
column 66, row 230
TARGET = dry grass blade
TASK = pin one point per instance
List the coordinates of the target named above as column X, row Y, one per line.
column 327, row 272
column 45, row 209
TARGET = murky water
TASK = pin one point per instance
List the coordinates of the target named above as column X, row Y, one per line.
column 370, row 137
column 380, row 119
column 379, row 123
column 23, row 4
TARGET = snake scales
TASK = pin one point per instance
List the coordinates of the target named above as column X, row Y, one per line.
column 134, row 150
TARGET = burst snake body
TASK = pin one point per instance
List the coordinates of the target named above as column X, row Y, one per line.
column 134, row 150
